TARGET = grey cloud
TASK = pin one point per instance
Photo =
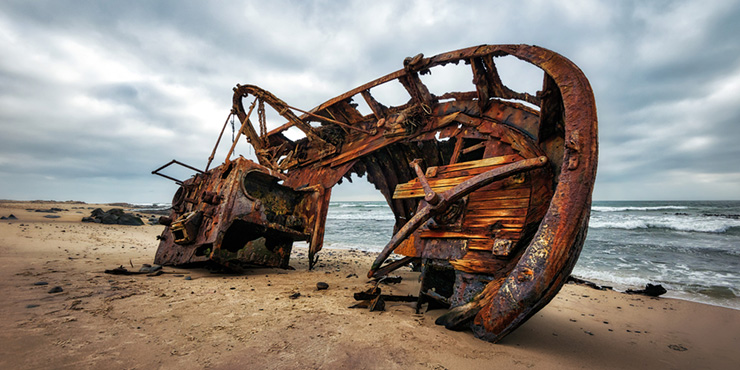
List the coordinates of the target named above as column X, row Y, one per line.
column 108, row 91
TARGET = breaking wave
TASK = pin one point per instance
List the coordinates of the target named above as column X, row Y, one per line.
column 627, row 209
column 688, row 224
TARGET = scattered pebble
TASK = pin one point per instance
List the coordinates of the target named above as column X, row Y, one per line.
column 56, row 289
column 31, row 305
column 188, row 278
column 677, row 347
column 322, row 285
column 41, row 283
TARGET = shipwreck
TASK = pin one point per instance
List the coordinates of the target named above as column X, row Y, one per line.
column 490, row 188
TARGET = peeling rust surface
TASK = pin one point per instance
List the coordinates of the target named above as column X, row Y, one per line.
column 490, row 188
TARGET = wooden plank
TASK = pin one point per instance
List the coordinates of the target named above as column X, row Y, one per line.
column 472, row 233
column 482, row 266
column 480, row 244
column 486, row 196
column 471, row 171
column 434, row 183
column 505, row 203
column 509, row 234
column 457, row 149
column 487, row 223
column 413, row 187
column 505, row 159
column 490, row 213
column 454, row 234
column 512, row 191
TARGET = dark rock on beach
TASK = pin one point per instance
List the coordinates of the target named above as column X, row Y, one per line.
column 115, row 216
column 650, row 290
column 50, row 210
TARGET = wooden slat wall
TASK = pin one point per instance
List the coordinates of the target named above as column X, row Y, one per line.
column 497, row 211
column 505, row 208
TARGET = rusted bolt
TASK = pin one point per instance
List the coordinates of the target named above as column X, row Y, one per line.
column 525, row 275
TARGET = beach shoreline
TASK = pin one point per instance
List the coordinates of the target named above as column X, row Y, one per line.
column 193, row 318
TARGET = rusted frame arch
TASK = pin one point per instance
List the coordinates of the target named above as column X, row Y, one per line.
column 551, row 255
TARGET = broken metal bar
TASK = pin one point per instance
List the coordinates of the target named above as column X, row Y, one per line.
column 156, row 172
column 385, row 270
column 176, row 162
column 332, row 121
column 255, row 139
column 178, row 182
column 429, row 195
column 213, row 153
column 366, row 296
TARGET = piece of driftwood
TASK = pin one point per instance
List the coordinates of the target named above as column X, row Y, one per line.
column 490, row 188
column 590, row 284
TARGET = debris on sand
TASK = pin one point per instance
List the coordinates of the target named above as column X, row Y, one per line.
column 147, row 269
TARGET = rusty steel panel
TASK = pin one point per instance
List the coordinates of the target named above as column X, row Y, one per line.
column 490, row 188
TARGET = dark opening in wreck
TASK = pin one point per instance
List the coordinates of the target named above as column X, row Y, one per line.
column 490, row 188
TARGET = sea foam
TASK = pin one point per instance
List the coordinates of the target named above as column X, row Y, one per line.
column 678, row 223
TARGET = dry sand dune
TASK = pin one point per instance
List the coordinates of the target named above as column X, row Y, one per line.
column 193, row 319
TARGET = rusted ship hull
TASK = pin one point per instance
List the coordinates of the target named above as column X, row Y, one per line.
column 490, row 188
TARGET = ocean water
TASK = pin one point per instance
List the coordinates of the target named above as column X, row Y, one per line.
column 692, row 248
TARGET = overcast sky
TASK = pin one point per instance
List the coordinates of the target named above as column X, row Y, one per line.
column 95, row 95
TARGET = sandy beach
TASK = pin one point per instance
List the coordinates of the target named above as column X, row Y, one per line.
column 195, row 318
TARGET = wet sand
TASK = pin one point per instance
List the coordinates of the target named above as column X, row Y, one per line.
column 193, row 318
